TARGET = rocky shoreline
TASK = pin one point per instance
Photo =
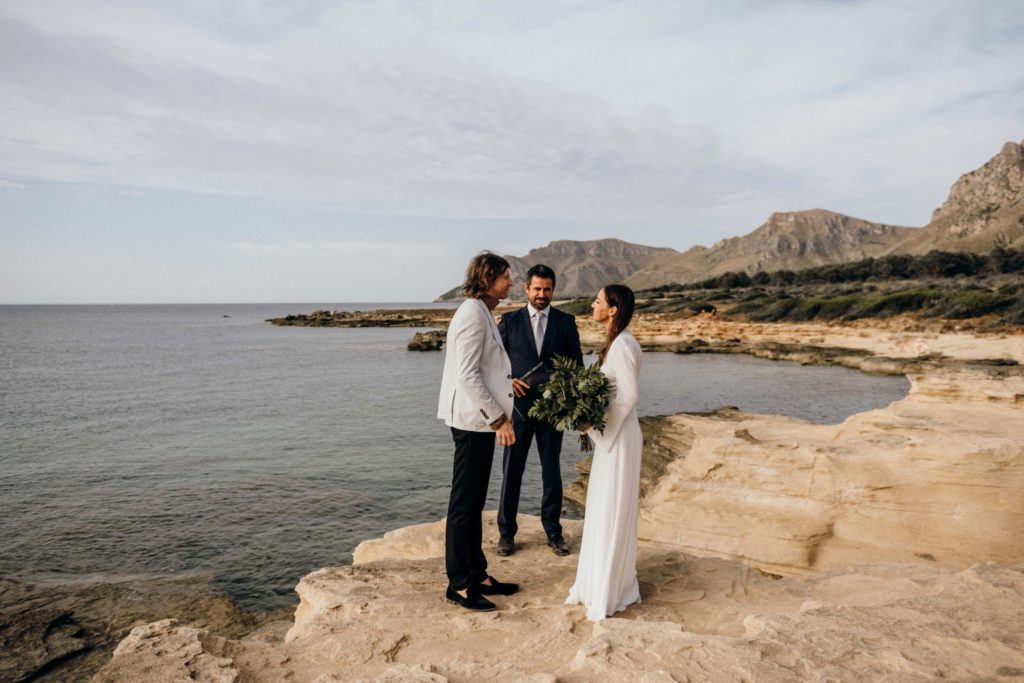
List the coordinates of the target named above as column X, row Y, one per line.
column 413, row 317
column 903, row 344
column 886, row 547
column 68, row 631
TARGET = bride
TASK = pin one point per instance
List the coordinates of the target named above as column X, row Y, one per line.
column 606, row 575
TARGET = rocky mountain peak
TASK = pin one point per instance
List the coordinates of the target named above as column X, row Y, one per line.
column 984, row 210
column 981, row 193
column 817, row 235
column 593, row 248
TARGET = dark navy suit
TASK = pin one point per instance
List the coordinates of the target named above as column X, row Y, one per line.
column 560, row 338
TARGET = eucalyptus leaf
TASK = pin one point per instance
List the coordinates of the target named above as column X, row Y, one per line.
column 574, row 396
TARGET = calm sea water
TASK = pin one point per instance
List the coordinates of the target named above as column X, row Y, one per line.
column 171, row 439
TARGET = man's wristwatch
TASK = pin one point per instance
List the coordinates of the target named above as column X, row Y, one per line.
column 496, row 425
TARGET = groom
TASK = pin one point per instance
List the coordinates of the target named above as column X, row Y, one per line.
column 535, row 334
column 476, row 403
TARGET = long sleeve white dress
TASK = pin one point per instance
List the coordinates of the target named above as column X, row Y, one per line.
column 606, row 575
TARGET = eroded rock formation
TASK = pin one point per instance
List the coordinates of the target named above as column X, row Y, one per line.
column 885, row 548
column 936, row 476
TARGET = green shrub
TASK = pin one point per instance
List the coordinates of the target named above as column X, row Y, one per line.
column 893, row 303
column 576, row 306
column 971, row 304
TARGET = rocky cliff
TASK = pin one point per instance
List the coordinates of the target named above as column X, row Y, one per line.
column 794, row 240
column 984, row 210
column 935, row 476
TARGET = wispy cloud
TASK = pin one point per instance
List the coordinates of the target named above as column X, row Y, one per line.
column 660, row 122
column 356, row 248
column 10, row 187
column 567, row 110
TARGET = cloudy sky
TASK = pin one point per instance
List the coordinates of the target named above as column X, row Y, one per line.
column 296, row 151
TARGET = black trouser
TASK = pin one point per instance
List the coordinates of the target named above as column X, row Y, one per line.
column 549, row 445
column 463, row 537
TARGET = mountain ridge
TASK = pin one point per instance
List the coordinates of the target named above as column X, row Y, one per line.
column 984, row 210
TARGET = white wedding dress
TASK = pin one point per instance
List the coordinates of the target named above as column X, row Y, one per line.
column 606, row 575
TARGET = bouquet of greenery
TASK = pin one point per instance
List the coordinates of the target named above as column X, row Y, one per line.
column 574, row 398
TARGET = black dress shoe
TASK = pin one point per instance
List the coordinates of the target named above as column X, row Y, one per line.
column 497, row 587
column 558, row 545
column 506, row 546
column 473, row 600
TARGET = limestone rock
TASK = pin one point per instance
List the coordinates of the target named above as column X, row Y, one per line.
column 701, row 619
column 420, row 541
column 892, row 485
column 365, row 619
column 166, row 651
column 427, row 341
column 771, row 550
column 885, row 624
column 410, row 673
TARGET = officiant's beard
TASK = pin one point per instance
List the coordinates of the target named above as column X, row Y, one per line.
column 541, row 295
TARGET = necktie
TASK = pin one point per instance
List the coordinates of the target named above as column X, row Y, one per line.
column 538, row 330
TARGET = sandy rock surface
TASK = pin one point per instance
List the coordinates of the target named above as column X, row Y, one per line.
column 885, row 548
column 171, row 652
column 898, row 337
column 936, row 476
column 701, row 619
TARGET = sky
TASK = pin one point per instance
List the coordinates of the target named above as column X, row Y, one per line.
column 213, row 151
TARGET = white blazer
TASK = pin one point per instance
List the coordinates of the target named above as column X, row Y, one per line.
column 476, row 387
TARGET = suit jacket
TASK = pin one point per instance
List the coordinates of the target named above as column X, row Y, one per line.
column 560, row 338
column 476, row 386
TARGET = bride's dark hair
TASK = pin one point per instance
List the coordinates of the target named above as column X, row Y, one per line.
column 621, row 297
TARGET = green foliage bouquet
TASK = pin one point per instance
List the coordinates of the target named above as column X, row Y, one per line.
column 574, row 397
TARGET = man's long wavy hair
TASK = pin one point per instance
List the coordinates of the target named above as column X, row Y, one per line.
column 483, row 270
column 621, row 297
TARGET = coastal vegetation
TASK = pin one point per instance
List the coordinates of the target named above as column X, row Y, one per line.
column 951, row 285
column 934, row 264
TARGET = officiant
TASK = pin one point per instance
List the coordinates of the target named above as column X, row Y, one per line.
column 533, row 335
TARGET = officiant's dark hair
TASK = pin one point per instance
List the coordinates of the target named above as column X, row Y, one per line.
column 622, row 298
column 541, row 271
column 483, row 270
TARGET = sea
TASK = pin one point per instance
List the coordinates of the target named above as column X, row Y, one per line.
column 184, row 439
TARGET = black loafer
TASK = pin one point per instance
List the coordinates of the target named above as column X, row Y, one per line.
column 506, row 546
column 558, row 545
column 497, row 587
column 473, row 600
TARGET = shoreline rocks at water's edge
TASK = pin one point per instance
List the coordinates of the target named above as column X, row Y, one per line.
column 904, row 344
column 413, row 317
column 771, row 549
column 68, row 631
column 432, row 340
